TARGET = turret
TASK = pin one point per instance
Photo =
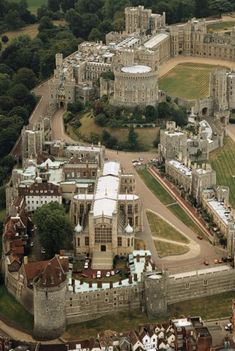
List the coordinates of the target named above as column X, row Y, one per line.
column 49, row 300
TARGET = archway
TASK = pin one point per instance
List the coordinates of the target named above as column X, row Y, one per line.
column 61, row 104
column 103, row 248
column 204, row 111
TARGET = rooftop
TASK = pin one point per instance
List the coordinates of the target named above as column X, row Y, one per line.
column 136, row 69
column 219, row 208
column 181, row 167
column 151, row 43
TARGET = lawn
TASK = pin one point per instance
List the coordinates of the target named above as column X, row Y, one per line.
column 146, row 136
column 188, row 80
column 162, row 229
column 220, row 26
column 12, row 311
column 223, row 162
column 166, row 199
column 208, row 307
column 168, row 249
column 33, row 5
column 30, row 30
column 155, row 187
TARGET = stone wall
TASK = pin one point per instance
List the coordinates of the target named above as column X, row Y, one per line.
column 86, row 306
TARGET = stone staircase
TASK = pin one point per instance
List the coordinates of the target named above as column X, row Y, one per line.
column 102, row 260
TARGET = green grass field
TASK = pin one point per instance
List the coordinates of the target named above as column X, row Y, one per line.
column 167, row 199
column 208, row 308
column 12, row 311
column 165, row 249
column 146, row 136
column 161, row 229
column 223, row 162
column 221, row 26
column 187, row 80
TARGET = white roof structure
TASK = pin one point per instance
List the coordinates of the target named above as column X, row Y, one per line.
column 182, row 168
column 80, row 148
column 157, row 39
column 211, row 270
column 111, row 168
column 107, row 189
column 136, row 69
column 220, row 210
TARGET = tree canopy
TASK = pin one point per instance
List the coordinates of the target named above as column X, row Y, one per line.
column 53, row 227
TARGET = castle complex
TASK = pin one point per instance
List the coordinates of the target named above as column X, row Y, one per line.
column 103, row 204
column 134, row 56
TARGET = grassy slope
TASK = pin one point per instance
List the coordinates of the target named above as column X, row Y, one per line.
column 223, row 162
column 221, row 26
column 187, row 80
column 166, row 199
column 11, row 310
column 168, row 249
column 209, row 307
column 161, row 229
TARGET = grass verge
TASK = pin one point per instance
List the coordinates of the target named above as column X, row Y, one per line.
column 162, row 229
column 221, row 26
column 156, row 187
column 12, row 311
column 223, row 162
column 209, row 307
column 168, row 249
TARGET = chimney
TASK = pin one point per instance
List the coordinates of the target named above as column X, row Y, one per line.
column 135, row 277
column 25, row 259
column 138, row 258
column 99, row 284
column 81, row 281
column 120, row 281
column 130, row 279
column 153, row 266
column 110, row 285
column 90, row 284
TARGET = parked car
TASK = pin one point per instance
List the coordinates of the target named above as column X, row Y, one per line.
column 32, row 244
column 200, row 237
column 112, row 273
column 228, row 327
column 107, row 274
column 206, row 263
column 43, row 251
column 98, row 274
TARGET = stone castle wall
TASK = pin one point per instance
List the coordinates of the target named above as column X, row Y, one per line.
column 86, row 306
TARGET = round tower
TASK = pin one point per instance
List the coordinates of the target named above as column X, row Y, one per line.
column 49, row 301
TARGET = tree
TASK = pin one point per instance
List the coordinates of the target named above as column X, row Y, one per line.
column 132, row 139
column 53, row 5
column 74, row 107
column 54, row 228
column 95, row 35
column 25, row 76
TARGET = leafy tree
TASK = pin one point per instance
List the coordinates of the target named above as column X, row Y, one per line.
column 54, row 228
column 101, row 120
column 2, row 199
column 132, row 139
column 95, row 35
column 20, row 111
column 54, row 5
column 74, row 107
column 25, row 76
column 45, row 23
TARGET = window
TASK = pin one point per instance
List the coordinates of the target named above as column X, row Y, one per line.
column 87, row 240
column 119, row 241
column 205, row 282
column 78, row 241
column 103, row 234
column 129, row 209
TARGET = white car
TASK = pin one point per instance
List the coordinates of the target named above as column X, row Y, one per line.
column 228, row 327
column 43, row 251
column 107, row 274
column 112, row 273
column 86, row 265
column 98, row 274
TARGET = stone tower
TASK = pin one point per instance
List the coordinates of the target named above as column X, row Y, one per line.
column 49, row 300
column 155, row 294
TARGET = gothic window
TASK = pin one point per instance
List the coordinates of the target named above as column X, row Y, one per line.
column 87, row 240
column 119, row 241
column 78, row 241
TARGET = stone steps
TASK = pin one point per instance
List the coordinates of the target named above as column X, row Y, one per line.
column 102, row 260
